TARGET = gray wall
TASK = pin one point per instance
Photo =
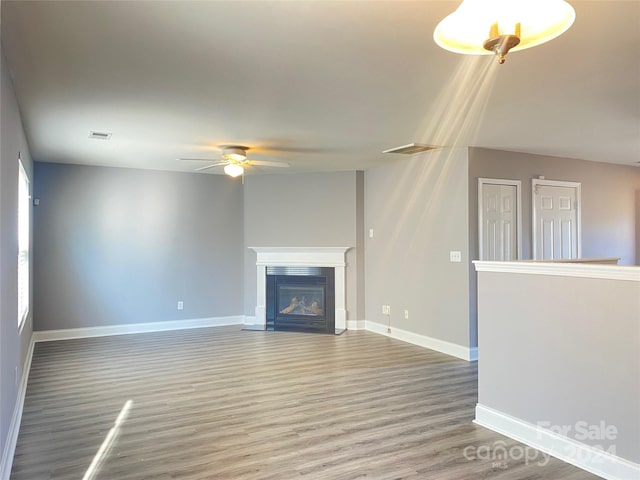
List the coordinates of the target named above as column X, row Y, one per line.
column 13, row 344
column 305, row 210
column 570, row 354
column 119, row 246
column 418, row 209
column 609, row 211
column 359, row 313
column 638, row 227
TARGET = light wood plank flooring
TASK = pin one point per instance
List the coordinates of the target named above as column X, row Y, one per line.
column 221, row 403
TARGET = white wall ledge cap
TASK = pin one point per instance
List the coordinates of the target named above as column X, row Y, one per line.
column 562, row 269
column 299, row 249
column 304, row 256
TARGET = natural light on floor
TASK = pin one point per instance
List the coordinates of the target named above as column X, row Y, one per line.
column 103, row 451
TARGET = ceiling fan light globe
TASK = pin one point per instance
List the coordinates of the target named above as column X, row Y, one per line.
column 233, row 170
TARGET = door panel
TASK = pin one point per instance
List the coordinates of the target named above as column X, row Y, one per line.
column 567, row 239
column 547, row 239
column 557, row 219
column 509, row 240
column 499, row 218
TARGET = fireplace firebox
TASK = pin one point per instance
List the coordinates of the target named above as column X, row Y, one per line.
column 300, row 299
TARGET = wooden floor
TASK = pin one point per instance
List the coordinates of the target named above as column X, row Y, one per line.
column 221, row 403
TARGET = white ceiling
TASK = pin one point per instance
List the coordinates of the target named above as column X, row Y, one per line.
column 323, row 85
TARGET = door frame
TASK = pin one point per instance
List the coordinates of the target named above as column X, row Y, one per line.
column 500, row 181
column 535, row 184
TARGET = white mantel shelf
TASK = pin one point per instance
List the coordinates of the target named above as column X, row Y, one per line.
column 301, row 256
column 563, row 269
column 332, row 257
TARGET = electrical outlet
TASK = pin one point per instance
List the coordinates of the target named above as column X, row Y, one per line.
column 386, row 310
column 180, row 305
column 406, row 314
column 455, row 256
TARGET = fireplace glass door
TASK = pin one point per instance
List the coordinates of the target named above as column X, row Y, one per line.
column 301, row 299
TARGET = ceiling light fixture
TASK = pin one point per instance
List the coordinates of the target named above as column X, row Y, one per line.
column 480, row 27
column 235, row 153
column 233, row 170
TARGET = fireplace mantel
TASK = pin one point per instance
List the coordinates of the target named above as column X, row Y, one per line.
column 302, row 256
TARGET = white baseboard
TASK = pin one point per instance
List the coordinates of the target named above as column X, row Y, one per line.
column 71, row 333
column 14, row 427
column 356, row 325
column 473, row 354
column 453, row 349
column 588, row 458
column 247, row 320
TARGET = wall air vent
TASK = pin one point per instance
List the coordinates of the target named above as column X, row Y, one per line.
column 100, row 135
column 411, row 149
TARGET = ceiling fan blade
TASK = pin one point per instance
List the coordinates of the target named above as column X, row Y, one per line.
column 265, row 163
column 208, row 167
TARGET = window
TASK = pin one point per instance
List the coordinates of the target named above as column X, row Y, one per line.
column 24, row 221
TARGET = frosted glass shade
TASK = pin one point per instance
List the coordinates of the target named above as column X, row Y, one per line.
column 233, row 170
column 466, row 29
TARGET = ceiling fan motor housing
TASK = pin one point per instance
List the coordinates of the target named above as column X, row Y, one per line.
column 234, row 153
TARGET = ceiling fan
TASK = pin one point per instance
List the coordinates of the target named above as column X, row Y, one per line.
column 235, row 161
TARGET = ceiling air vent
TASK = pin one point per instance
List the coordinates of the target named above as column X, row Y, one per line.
column 100, row 135
column 411, row 149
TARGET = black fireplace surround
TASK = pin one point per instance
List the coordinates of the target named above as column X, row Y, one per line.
column 301, row 299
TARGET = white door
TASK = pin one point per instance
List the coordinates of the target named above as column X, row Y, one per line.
column 556, row 220
column 499, row 219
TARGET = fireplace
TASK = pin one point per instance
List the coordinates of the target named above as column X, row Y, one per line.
column 300, row 299
column 312, row 262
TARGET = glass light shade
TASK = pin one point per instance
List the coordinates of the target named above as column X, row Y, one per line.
column 466, row 29
column 233, row 170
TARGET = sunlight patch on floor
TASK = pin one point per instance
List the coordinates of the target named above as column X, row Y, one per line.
column 103, row 451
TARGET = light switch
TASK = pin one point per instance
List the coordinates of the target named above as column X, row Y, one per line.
column 371, row 233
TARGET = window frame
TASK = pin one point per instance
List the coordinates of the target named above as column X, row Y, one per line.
column 24, row 246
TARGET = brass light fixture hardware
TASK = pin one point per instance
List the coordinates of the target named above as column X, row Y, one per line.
column 501, row 44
